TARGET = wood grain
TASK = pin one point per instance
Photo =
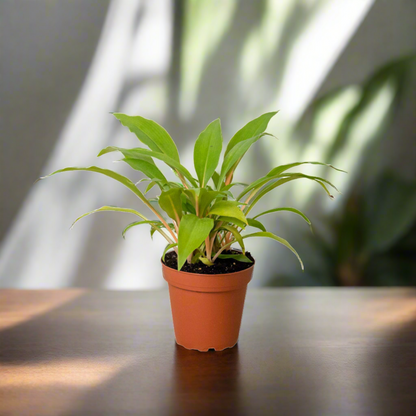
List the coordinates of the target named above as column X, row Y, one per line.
column 301, row 352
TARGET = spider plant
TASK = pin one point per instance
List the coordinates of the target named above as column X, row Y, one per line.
column 200, row 217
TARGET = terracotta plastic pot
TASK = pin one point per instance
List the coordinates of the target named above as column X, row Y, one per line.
column 207, row 308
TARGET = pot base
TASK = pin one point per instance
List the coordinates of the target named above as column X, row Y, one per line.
column 216, row 349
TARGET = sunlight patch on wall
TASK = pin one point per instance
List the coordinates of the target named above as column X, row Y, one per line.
column 328, row 121
column 149, row 98
column 206, row 22
column 263, row 41
column 312, row 54
column 365, row 128
column 316, row 51
column 324, row 130
column 40, row 231
column 151, row 49
column 137, row 260
column 137, row 264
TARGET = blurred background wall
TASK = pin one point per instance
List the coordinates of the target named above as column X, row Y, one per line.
column 341, row 72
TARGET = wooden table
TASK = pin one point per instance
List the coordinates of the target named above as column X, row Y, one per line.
column 301, row 352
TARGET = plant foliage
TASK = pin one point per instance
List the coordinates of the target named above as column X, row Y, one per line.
column 200, row 217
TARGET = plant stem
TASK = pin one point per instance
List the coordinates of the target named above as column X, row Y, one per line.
column 229, row 179
column 175, row 239
column 182, row 180
column 212, row 240
column 222, row 238
column 243, row 207
column 208, row 248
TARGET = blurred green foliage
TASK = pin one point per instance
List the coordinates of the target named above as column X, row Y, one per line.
column 375, row 235
column 370, row 238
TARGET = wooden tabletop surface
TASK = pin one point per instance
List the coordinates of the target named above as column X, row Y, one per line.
column 325, row 351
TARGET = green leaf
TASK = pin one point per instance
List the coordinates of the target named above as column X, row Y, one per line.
column 228, row 187
column 143, row 180
column 168, row 184
column 171, row 202
column 228, row 209
column 120, row 178
column 202, row 197
column 195, row 258
column 239, row 257
column 153, row 230
column 139, row 152
column 232, row 221
column 215, row 178
column 279, row 239
column 254, row 186
column 133, row 224
column 205, row 261
column 168, row 247
column 205, row 200
column 192, row 195
column 296, row 211
column 233, row 157
column 150, row 186
column 236, row 235
column 280, row 182
column 151, row 134
column 277, row 173
column 149, row 169
column 207, row 152
column 314, row 178
column 192, row 233
column 280, row 169
column 187, row 207
column 251, row 129
column 257, row 224
column 109, row 208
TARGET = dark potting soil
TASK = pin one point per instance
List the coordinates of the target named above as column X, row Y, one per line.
column 221, row 266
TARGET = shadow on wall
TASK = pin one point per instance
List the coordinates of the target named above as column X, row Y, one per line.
column 210, row 62
column 370, row 239
column 206, row 80
column 216, row 94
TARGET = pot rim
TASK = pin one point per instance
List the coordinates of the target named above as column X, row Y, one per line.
column 207, row 274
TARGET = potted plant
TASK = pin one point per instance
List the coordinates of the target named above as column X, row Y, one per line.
column 201, row 218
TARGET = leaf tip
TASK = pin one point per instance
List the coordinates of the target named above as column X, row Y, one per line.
column 339, row 170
